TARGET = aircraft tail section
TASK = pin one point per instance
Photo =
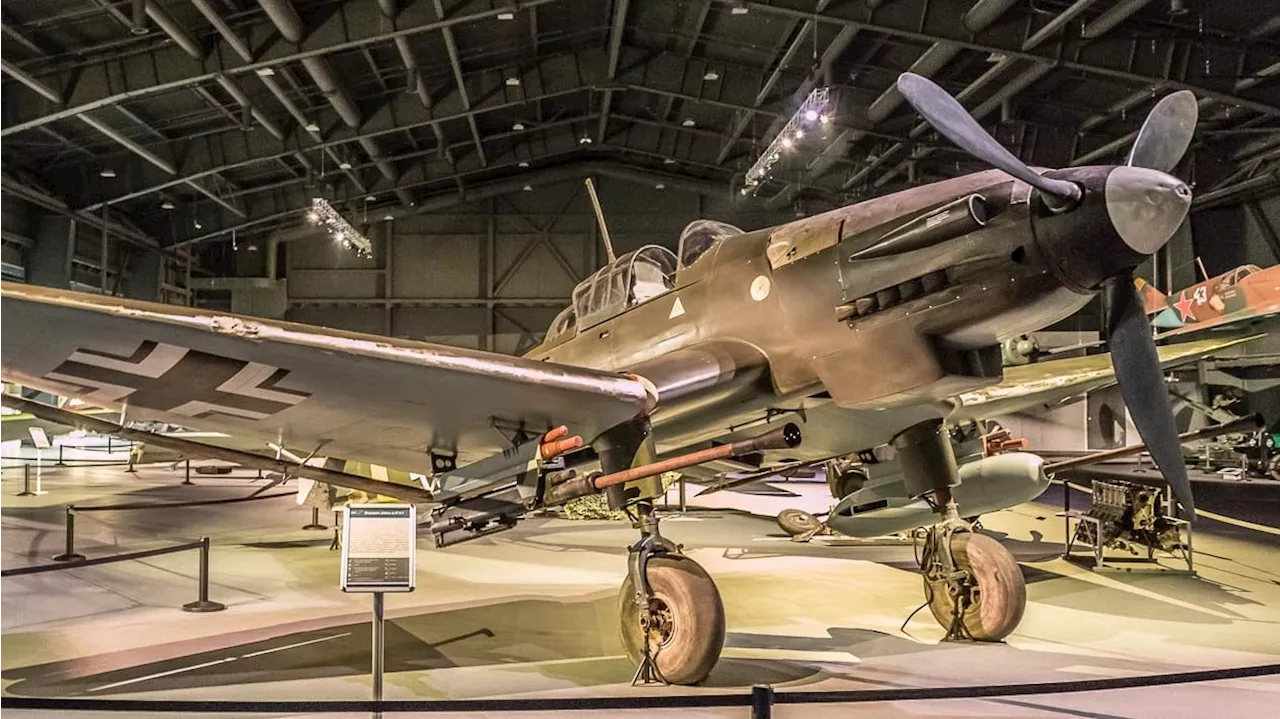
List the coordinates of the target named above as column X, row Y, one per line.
column 1154, row 299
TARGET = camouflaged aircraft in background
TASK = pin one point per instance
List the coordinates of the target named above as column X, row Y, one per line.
column 1233, row 299
column 870, row 329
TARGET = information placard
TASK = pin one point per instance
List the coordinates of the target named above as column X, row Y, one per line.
column 378, row 543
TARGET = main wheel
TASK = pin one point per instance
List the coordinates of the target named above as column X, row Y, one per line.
column 995, row 605
column 797, row 521
column 687, row 631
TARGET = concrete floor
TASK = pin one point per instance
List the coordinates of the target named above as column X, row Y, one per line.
column 530, row 612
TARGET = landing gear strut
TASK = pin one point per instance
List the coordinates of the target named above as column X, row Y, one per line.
column 670, row 613
column 972, row 584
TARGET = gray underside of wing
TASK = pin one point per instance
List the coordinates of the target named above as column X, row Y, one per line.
column 370, row 398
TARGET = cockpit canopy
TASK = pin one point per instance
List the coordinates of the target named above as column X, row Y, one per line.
column 1239, row 274
column 631, row 279
column 700, row 237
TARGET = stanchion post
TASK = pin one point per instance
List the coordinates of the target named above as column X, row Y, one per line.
column 69, row 553
column 683, row 508
column 60, row 462
column 315, row 520
column 761, row 701
column 203, row 604
column 378, row 646
column 26, row 481
column 187, row 479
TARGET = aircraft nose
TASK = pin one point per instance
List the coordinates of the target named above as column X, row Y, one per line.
column 1145, row 206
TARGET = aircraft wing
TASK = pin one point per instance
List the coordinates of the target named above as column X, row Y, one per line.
column 1046, row 384
column 1242, row 317
column 375, row 399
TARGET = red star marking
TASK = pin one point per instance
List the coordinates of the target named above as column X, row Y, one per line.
column 1183, row 306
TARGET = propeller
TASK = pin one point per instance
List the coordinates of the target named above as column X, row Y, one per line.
column 949, row 117
column 1166, row 133
column 1145, row 209
column 1137, row 365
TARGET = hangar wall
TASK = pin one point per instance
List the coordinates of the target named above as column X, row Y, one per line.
column 488, row 275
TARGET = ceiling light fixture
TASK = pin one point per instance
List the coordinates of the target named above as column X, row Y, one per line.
column 523, row 163
column 198, row 225
column 659, row 186
column 167, row 205
column 584, row 140
column 266, row 72
column 710, row 75
column 370, row 198
column 312, row 127
column 107, row 172
column 513, row 81
column 344, row 166
column 668, row 161
column 517, row 126
column 341, row 230
column 739, row 8
column 506, row 15
column 527, row 188
column 388, row 218
column 688, row 122
column 812, row 109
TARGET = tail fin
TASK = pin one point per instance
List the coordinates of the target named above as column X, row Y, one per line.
column 1153, row 299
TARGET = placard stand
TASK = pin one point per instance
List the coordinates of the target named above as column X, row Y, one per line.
column 378, row 548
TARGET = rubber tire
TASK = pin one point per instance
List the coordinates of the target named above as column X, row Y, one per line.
column 1002, row 592
column 797, row 521
column 848, row 483
column 698, row 619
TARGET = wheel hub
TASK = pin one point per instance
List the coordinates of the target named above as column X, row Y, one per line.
column 659, row 622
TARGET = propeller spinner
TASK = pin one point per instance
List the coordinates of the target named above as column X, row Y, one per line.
column 1145, row 207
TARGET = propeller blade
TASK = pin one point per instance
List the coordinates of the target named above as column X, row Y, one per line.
column 1137, row 365
column 949, row 117
column 1166, row 133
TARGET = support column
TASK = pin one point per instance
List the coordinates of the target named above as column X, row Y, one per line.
column 49, row 260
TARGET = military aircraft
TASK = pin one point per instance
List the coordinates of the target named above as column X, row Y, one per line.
column 872, row 325
column 1244, row 295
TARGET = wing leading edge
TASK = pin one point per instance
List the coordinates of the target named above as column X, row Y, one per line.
column 383, row 400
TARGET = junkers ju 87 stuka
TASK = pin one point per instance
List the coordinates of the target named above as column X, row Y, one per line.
column 868, row 325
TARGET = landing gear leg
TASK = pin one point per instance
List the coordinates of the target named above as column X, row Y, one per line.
column 672, row 618
column 670, row 613
column 972, row 584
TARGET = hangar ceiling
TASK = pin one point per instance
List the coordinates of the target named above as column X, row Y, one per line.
column 179, row 121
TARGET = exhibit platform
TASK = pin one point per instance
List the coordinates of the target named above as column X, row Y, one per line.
column 531, row 612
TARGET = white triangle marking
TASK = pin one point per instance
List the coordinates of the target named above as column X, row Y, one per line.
column 676, row 310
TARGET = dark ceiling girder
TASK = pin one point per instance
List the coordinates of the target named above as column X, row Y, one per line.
column 1084, row 67
column 455, row 63
column 335, row 36
column 616, row 29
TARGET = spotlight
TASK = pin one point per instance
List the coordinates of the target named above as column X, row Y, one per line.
column 799, row 134
column 824, row 119
column 344, row 166
column 811, row 115
column 711, row 75
column 167, row 205
column 522, row 163
column 313, row 217
column 107, row 172
column 786, row 142
column 584, row 140
column 339, row 236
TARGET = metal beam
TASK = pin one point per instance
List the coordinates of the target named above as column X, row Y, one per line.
column 174, row 29
column 30, row 81
column 1267, row 229
column 1089, row 68
column 616, row 30
column 129, row 145
column 455, row 63
column 286, row 19
column 240, row 96
column 1111, row 17
column 1055, row 25
column 213, row 66
column 224, row 29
